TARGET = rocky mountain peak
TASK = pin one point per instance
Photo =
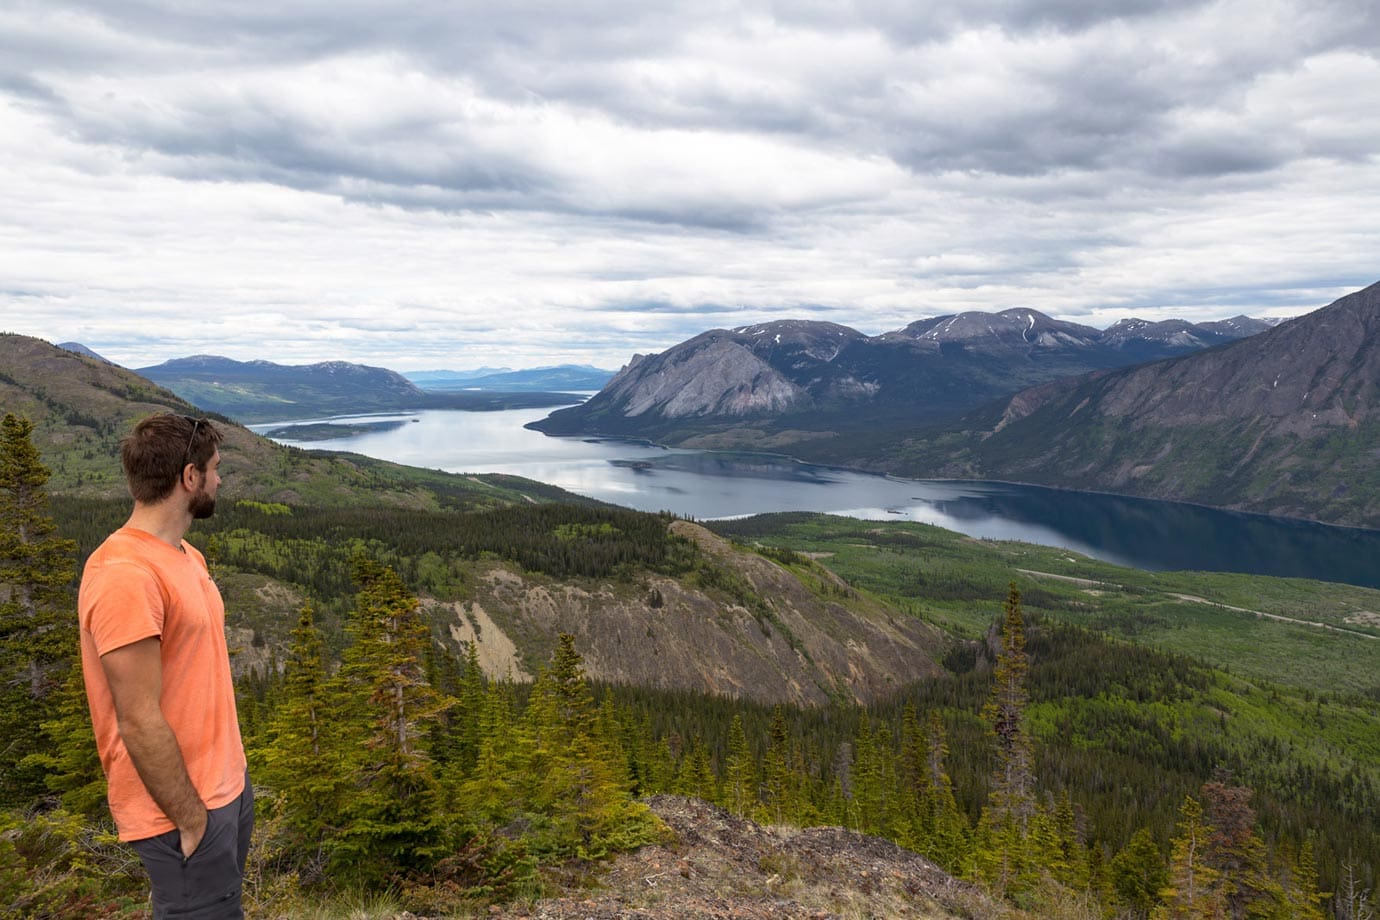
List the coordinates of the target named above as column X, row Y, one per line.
column 1239, row 326
column 1174, row 332
column 1019, row 327
column 798, row 330
column 712, row 374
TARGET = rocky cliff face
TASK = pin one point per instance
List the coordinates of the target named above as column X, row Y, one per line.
column 806, row 646
column 813, row 375
column 714, row 376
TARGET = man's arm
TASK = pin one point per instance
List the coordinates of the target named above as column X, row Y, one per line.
column 135, row 675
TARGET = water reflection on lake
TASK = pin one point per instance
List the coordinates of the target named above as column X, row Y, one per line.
column 1146, row 534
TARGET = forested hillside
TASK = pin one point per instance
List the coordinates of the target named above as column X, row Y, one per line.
column 1056, row 768
column 81, row 407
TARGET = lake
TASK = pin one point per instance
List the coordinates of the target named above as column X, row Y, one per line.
column 704, row 485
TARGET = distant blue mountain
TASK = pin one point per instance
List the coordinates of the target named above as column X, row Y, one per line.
column 261, row 391
column 559, row 378
column 425, row 379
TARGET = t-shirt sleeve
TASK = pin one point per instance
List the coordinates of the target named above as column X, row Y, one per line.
column 122, row 605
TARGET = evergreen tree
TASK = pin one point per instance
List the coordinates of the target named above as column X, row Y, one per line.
column 578, row 806
column 695, row 777
column 873, row 782
column 67, row 758
column 302, row 762
column 1139, row 874
column 947, row 827
column 609, row 731
column 1191, row 892
column 1305, row 900
column 392, row 821
column 1003, row 854
column 491, row 794
column 37, row 632
column 1013, row 784
column 466, row 719
column 781, row 786
column 740, row 771
column 656, row 763
column 446, row 674
column 915, row 830
column 1070, row 862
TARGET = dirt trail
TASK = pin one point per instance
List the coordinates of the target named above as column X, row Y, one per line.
column 1193, row 599
column 1274, row 616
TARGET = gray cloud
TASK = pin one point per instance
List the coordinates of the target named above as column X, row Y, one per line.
column 617, row 174
column 1022, row 88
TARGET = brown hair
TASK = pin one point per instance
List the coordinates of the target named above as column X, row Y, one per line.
column 159, row 449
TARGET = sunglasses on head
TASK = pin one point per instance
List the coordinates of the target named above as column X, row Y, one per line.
column 187, row 454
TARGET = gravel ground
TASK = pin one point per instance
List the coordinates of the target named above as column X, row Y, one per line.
column 722, row 867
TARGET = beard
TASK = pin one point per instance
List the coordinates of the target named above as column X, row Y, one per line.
column 202, row 505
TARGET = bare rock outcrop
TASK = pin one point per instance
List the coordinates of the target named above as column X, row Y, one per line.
column 804, row 644
column 718, row 865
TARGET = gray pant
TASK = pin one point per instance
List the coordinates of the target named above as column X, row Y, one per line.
column 206, row 886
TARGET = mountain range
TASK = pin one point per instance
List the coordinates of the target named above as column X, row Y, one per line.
column 781, row 383
column 1285, row 422
column 1273, row 419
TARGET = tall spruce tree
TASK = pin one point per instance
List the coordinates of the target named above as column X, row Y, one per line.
column 1138, row 875
column 392, row 822
column 1003, row 856
column 782, row 787
column 946, row 825
column 302, row 762
column 464, row 723
column 1013, row 783
column 578, row 805
column 695, row 773
column 1305, row 900
column 490, row 793
column 67, row 756
column 872, row 773
column 740, row 771
column 1191, row 892
column 37, row 627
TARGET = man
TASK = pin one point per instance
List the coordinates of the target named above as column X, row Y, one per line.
column 158, row 680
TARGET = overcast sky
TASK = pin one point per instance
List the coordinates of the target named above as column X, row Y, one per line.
column 446, row 184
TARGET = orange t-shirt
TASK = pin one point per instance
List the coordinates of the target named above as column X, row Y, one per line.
column 136, row 586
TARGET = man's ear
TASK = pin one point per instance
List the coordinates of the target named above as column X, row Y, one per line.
column 189, row 476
